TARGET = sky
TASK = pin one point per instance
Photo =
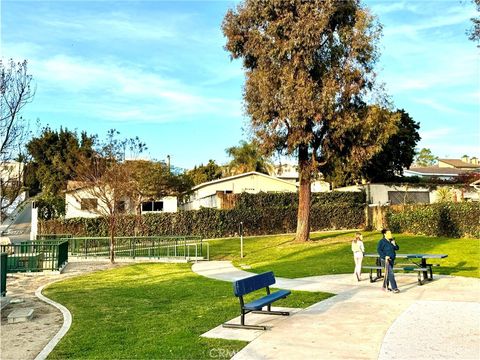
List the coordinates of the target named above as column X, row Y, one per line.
column 158, row 70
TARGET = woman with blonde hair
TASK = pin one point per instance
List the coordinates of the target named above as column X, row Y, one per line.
column 358, row 250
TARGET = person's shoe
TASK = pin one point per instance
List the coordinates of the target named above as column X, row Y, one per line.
column 358, row 277
column 396, row 291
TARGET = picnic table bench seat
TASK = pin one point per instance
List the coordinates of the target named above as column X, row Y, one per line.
column 250, row 284
column 420, row 271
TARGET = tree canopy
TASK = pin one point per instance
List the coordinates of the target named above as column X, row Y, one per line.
column 56, row 155
column 474, row 32
column 247, row 157
column 397, row 154
column 309, row 68
column 16, row 91
column 424, row 157
column 203, row 173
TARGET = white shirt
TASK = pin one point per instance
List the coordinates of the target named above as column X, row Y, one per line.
column 357, row 246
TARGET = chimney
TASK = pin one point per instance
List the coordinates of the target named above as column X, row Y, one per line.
column 168, row 163
column 465, row 158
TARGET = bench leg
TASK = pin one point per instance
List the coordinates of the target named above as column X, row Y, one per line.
column 271, row 312
column 240, row 326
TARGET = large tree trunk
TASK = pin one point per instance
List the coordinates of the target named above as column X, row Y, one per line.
column 304, row 195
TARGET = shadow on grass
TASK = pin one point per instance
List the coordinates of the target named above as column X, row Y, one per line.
column 330, row 236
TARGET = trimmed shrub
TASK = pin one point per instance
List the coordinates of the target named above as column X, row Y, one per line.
column 441, row 219
column 212, row 223
column 262, row 199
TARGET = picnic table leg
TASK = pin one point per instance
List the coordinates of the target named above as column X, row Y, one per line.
column 425, row 273
column 379, row 271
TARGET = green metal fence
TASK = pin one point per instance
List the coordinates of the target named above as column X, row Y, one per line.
column 54, row 236
column 153, row 247
column 34, row 256
column 3, row 274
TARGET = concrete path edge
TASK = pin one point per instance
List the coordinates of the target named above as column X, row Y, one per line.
column 67, row 322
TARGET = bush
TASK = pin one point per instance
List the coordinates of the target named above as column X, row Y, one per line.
column 441, row 219
column 262, row 200
column 211, row 223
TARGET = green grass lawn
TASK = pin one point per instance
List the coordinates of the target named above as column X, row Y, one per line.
column 330, row 253
column 150, row 311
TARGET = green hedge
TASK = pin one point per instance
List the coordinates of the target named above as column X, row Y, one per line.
column 262, row 199
column 211, row 223
column 442, row 219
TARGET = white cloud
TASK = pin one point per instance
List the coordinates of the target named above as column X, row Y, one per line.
column 387, row 7
column 430, row 135
column 119, row 92
column 438, row 106
column 454, row 16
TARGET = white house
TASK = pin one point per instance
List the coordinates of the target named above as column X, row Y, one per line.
column 383, row 194
column 81, row 202
column 289, row 172
column 209, row 194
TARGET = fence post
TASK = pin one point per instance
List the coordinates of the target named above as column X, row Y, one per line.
column 240, row 230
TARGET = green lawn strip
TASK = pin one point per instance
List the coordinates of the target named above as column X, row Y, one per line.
column 151, row 311
column 330, row 253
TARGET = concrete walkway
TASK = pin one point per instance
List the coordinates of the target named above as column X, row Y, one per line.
column 440, row 320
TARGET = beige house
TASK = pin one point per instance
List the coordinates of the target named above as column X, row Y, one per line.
column 210, row 194
column 446, row 169
column 81, row 202
column 11, row 171
column 465, row 163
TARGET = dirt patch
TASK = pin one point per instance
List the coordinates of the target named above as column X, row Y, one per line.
column 23, row 341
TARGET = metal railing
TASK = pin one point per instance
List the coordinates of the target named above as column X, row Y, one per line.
column 3, row 274
column 151, row 247
column 35, row 256
column 54, row 236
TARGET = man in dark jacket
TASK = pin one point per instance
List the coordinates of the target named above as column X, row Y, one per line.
column 386, row 250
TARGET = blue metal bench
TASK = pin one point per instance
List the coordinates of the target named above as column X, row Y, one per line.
column 246, row 286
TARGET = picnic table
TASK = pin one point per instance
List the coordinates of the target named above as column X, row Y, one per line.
column 417, row 262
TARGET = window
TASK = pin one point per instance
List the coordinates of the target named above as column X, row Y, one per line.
column 410, row 197
column 158, row 206
column 152, row 206
column 88, row 204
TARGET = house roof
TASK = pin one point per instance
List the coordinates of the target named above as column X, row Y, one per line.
column 435, row 171
column 459, row 163
column 73, row 185
column 199, row 186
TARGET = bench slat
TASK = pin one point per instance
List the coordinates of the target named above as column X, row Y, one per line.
column 406, row 268
column 253, row 283
column 266, row 300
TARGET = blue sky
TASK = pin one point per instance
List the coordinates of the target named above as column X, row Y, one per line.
column 157, row 70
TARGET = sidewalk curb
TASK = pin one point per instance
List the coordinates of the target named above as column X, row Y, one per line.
column 67, row 322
